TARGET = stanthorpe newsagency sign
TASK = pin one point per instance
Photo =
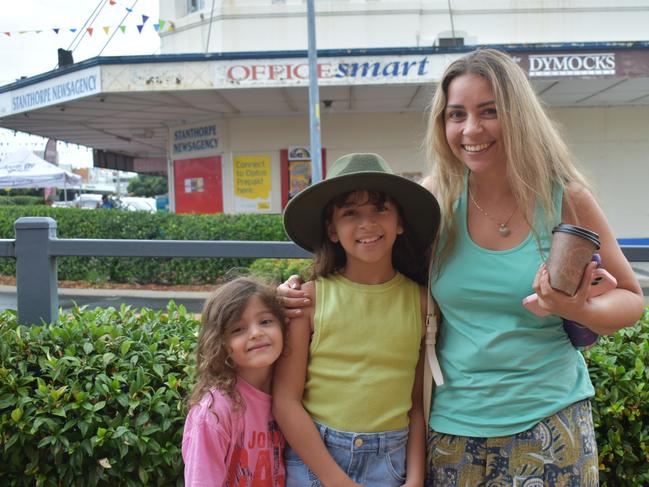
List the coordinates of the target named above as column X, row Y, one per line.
column 196, row 140
column 52, row 92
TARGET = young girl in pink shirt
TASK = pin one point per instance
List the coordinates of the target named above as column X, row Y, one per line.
column 230, row 437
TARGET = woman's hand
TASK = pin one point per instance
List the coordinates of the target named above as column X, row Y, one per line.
column 559, row 303
column 292, row 297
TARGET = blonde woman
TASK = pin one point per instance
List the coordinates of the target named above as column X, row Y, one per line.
column 514, row 406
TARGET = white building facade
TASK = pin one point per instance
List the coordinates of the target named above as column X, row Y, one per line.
column 225, row 108
column 609, row 135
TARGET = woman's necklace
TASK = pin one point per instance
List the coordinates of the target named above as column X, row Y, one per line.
column 503, row 229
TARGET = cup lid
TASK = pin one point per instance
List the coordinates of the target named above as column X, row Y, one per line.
column 579, row 231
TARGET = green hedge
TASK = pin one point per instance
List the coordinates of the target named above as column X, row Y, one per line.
column 619, row 370
column 99, row 399
column 278, row 270
column 77, row 223
column 21, row 200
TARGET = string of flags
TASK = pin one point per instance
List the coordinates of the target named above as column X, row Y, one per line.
column 159, row 26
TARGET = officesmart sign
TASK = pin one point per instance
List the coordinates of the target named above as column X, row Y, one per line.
column 599, row 64
column 330, row 71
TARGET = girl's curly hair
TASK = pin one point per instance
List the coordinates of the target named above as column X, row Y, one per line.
column 221, row 310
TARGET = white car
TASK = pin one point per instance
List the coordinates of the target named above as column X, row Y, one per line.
column 88, row 201
column 137, row 203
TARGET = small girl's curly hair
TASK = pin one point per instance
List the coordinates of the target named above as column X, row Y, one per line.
column 222, row 310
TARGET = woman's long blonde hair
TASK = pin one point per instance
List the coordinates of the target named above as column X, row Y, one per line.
column 537, row 159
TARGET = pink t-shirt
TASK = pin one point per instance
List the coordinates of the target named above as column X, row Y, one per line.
column 226, row 448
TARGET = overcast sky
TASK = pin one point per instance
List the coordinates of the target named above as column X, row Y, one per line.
column 33, row 53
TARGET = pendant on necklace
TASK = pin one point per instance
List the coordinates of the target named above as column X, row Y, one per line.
column 504, row 230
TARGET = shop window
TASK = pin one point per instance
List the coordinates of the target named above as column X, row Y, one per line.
column 195, row 5
column 450, row 41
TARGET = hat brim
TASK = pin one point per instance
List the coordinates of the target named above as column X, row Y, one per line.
column 303, row 214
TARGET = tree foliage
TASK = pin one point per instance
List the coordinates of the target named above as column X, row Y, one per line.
column 147, row 186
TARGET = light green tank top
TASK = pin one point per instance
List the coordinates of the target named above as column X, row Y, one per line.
column 363, row 354
column 505, row 369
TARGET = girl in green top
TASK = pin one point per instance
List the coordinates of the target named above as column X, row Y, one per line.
column 347, row 391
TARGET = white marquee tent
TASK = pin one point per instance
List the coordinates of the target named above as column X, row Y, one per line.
column 24, row 169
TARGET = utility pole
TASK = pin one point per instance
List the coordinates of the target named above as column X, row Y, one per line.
column 314, row 99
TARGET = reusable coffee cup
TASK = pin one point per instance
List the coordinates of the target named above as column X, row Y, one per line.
column 572, row 249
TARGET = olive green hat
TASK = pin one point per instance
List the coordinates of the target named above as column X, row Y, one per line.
column 303, row 214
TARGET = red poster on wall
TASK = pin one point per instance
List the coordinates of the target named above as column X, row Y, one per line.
column 197, row 184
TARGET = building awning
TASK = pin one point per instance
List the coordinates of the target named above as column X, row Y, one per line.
column 126, row 105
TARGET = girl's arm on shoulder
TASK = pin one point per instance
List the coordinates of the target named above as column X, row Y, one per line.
column 288, row 388
column 610, row 311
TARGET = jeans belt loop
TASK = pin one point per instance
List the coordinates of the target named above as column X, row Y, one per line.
column 323, row 433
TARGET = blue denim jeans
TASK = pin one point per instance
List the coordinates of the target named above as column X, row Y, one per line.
column 371, row 459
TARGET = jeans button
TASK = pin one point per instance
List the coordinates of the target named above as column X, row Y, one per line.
column 358, row 442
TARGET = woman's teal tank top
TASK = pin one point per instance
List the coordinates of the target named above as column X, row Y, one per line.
column 505, row 369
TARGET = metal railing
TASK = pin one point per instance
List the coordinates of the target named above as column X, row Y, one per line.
column 37, row 247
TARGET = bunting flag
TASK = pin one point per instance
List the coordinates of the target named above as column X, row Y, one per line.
column 160, row 26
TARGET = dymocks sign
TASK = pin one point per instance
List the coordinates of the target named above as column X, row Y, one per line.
column 600, row 64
